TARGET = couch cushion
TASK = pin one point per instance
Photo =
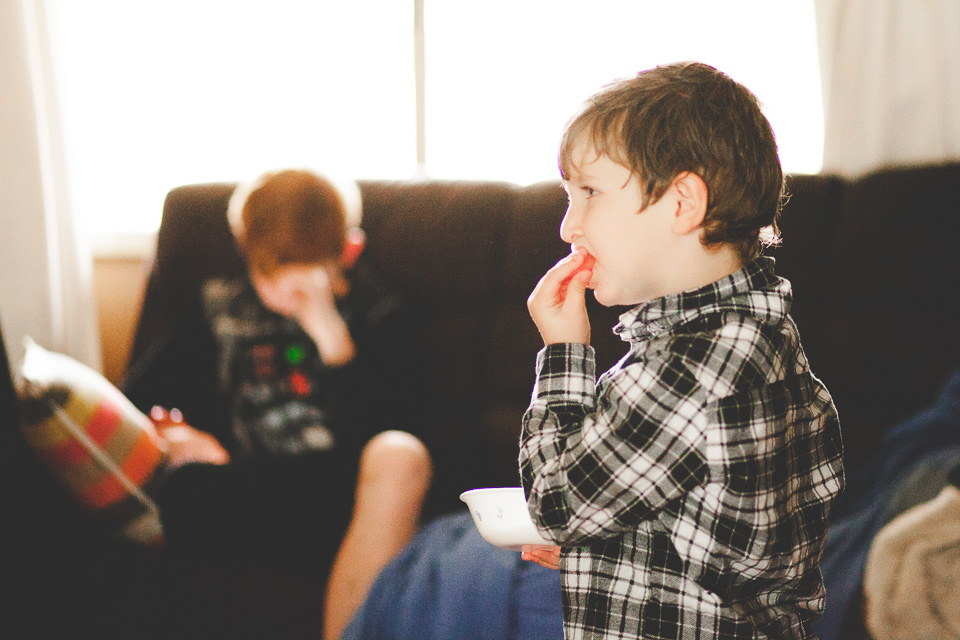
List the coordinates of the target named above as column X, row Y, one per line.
column 896, row 278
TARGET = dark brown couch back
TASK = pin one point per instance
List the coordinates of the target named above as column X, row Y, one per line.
column 872, row 261
column 875, row 269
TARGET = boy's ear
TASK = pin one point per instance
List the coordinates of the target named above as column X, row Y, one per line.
column 692, row 195
column 353, row 247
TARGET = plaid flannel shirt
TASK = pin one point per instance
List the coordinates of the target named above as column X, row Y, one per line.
column 691, row 485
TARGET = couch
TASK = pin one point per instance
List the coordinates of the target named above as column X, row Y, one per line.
column 874, row 264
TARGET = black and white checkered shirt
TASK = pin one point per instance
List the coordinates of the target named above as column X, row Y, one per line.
column 690, row 487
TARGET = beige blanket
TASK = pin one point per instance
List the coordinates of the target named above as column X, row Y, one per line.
column 912, row 577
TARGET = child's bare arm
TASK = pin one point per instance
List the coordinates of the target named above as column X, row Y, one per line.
column 558, row 303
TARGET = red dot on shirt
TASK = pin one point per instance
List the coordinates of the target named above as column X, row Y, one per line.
column 299, row 383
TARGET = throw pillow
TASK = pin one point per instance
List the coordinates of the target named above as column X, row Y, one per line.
column 94, row 440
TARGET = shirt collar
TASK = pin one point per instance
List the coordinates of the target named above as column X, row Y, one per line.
column 753, row 290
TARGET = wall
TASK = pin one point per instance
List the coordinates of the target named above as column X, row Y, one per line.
column 118, row 282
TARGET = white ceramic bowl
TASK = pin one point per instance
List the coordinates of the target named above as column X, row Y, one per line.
column 502, row 518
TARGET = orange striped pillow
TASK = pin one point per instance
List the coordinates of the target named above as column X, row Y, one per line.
column 91, row 437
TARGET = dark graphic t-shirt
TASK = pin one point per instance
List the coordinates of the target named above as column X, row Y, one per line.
column 272, row 371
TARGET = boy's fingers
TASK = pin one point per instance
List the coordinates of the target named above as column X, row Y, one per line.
column 556, row 281
column 570, row 266
column 558, row 303
column 549, row 558
column 577, row 284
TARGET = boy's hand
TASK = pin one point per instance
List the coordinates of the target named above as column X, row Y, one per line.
column 316, row 312
column 558, row 303
column 307, row 294
column 313, row 296
column 184, row 443
column 545, row 557
column 187, row 444
column 293, row 289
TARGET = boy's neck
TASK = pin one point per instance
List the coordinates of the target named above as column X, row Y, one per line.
column 705, row 266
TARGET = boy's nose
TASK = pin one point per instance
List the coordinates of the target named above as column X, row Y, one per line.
column 569, row 229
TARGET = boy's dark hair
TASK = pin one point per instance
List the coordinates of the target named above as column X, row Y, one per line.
column 691, row 117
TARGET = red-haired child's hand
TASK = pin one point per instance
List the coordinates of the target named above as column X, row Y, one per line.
column 184, row 443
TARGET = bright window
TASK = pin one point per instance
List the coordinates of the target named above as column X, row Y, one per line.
column 504, row 76
column 159, row 94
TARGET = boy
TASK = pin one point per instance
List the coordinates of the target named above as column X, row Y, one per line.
column 308, row 478
column 689, row 487
column 285, row 351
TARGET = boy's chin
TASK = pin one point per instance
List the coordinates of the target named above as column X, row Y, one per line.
column 610, row 299
column 600, row 297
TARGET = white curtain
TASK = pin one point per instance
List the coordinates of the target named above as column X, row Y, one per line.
column 46, row 287
column 891, row 82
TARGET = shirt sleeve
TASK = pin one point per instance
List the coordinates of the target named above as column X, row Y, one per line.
column 598, row 459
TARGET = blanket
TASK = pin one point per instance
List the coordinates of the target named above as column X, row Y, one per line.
column 929, row 442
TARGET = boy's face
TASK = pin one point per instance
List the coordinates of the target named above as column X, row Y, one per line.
column 287, row 289
column 290, row 287
column 632, row 248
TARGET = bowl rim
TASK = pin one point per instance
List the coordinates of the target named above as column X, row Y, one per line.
column 490, row 490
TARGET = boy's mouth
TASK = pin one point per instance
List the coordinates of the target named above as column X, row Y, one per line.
column 587, row 265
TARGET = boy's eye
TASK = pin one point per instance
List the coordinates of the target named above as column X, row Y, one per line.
column 589, row 191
